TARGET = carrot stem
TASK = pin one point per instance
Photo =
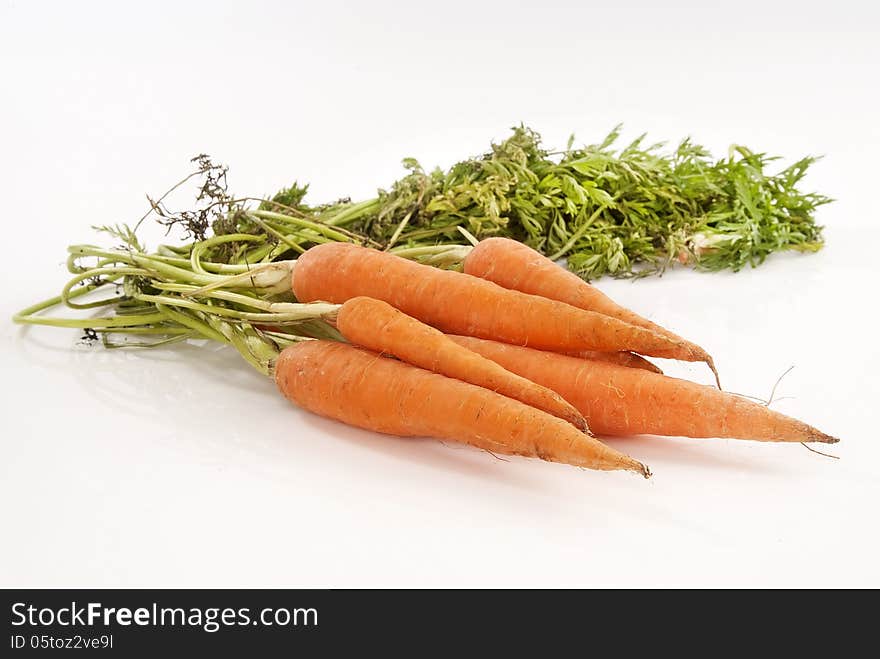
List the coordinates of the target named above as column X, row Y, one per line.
column 353, row 212
column 282, row 313
column 440, row 255
column 97, row 272
column 323, row 229
column 195, row 255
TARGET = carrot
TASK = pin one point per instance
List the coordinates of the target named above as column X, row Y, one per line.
column 516, row 266
column 627, row 401
column 628, row 359
column 457, row 303
column 378, row 326
column 364, row 389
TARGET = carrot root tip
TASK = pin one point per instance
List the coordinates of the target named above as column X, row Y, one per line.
column 638, row 467
column 711, row 364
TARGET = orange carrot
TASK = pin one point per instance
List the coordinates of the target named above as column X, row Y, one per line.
column 378, row 326
column 457, row 303
column 364, row 389
column 627, row 401
column 628, row 359
column 516, row 266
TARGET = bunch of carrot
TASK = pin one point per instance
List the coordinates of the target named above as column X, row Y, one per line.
column 513, row 354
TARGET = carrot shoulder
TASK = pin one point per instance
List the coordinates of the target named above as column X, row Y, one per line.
column 457, row 303
column 627, row 401
column 378, row 326
column 364, row 389
column 516, row 266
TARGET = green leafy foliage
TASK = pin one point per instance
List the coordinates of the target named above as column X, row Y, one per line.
column 623, row 211
column 290, row 197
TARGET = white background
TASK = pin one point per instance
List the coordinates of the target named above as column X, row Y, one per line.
column 184, row 468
